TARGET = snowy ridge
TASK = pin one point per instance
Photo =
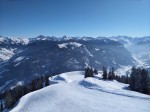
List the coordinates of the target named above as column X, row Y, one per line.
column 83, row 95
column 14, row 40
column 23, row 41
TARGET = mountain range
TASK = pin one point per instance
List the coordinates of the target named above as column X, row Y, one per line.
column 22, row 59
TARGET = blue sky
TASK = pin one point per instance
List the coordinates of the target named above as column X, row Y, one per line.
column 30, row 18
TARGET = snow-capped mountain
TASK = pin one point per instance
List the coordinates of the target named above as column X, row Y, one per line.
column 122, row 39
column 9, row 46
column 22, row 59
column 139, row 48
column 50, row 55
column 72, row 93
column 13, row 40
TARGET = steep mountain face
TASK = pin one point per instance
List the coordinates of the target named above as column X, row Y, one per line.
column 50, row 55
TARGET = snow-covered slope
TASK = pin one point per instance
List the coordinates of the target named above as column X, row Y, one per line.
column 72, row 93
column 6, row 54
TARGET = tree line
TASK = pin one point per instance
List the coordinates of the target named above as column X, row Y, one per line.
column 89, row 72
column 11, row 96
column 138, row 80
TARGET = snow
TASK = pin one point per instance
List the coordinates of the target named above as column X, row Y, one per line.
column 23, row 41
column 138, row 61
column 88, row 52
column 114, row 62
column 5, row 85
column 1, row 39
column 15, row 40
column 96, row 49
column 104, row 51
column 68, row 77
column 6, row 54
column 73, row 93
column 64, row 45
column 42, row 38
column 17, row 64
column 97, row 62
column 123, row 70
column 20, row 83
column 19, row 59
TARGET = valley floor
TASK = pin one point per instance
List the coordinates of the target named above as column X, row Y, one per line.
column 72, row 93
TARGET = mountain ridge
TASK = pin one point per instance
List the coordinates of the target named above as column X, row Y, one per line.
column 51, row 55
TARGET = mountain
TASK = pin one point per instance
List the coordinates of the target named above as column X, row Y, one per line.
column 33, row 57
column 72, row 93
column 8, row 46
column 139, row 48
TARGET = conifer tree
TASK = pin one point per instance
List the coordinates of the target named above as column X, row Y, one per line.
column 144, row 81
column 46, row 81
column 2, row 108
column 89, row 72
column 9, row 99
column 132, row 78
column 110, row 75
column 104, row 75
column 137, row 80
column 113, row 73
column 127, row 79
column 95, row 71
column 33, row 85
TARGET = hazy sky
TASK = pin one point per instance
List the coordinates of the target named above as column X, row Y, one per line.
column 30, row 18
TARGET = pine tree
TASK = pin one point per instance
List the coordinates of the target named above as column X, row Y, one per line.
column 144, row 81
column 39, row 84
column 2, row 108
column 132, row 78
column 137, row 80
column 123, row 79
column 18, row 92
column 117, row 78
column 113, row 73
column 89, row 72
column 110, row 75
column 95, row 71
column 9, row 99
column 46, row 81
column 104, row 76
column 127, row 79
column 33, row 85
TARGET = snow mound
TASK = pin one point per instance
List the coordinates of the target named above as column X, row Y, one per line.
column 62, row 78
column 68, row 77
